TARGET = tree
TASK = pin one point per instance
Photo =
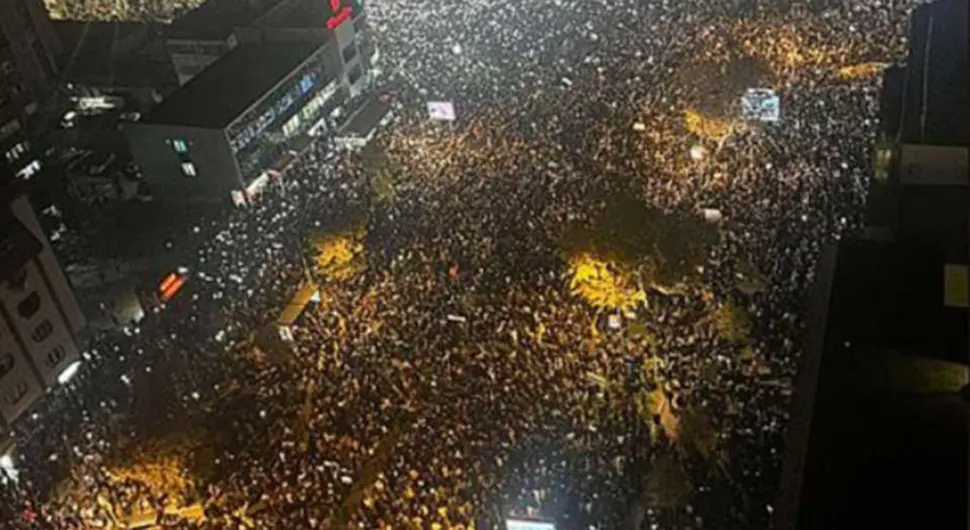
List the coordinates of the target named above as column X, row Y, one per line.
column 168, row 465
column 749, row 280
column 655, row 248
column 698, row 433
column 340, row 255
column 603, row 284
column 707, row 127
column 654, row 407
column 667, row 484
column 861, row 71
column 732, row 323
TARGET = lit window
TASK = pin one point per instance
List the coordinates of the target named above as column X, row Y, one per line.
column 29, row 170
column 291, row 126
column 180, row 146
column 17, row 151
column 188, row 169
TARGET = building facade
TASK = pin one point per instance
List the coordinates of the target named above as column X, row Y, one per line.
column 40, row 319
column 878, row 434
column 223, row 133
column 28, row 48
column 211, row 31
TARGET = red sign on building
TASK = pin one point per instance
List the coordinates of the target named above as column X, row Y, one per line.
column 339, row 13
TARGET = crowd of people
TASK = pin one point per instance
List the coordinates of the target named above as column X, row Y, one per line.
column 119, row 10
column 457, row 380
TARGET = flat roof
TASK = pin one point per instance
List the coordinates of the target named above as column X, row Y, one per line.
column 225, row 89
column 367, row 118
column 216, row 19
column 937, row 109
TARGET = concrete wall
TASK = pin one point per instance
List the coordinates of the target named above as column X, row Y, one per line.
column 19, row 387
column 53, row 272
column 41, row 329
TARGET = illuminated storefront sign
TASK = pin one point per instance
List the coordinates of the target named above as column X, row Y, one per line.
column 170, row 286
column 339, row 13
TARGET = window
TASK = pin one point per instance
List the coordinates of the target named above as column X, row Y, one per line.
column 188, row 169
column 17, row 151
column 306, row 82
column 354, row 75
column 291, row 126
column 180, row 146
column 42, row 331
column 349, row 52
column 55, row 356
column 17, row 394
column 312, row 107
column 29, row 306
column 956, row 286
column 8, row 129
column 6, row 364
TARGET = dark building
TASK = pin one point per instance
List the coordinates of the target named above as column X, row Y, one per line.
column 39, row 316
column 272, row 75
column 28, row 49
column 218, row 135
column 878, row 434
column 126, row 59
column 198, row 38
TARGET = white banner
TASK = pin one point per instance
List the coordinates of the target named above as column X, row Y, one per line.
column 712, row 215
column 441, row 110
column 761, row 104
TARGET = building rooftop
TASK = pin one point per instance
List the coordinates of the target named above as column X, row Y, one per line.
column 936, row 107
column 111, row 53
column 216, row 19
column 367, row 118
column 109, row 39
column 230, row 85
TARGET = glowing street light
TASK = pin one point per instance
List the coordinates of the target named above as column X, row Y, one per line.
column 698, row 152
column 68, row 373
